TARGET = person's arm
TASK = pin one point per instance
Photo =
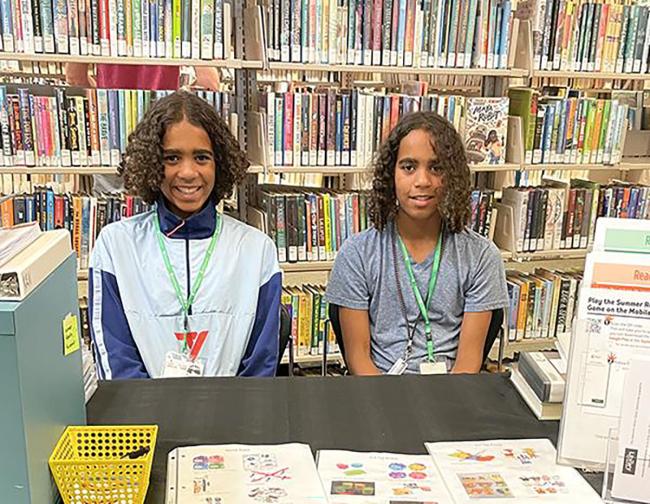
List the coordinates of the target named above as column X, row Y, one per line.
column 261, row 355
column 486, row 291
column 348, row 289
column 76, row 74
column 473, row 331
column 355, row 328
column 116, row 353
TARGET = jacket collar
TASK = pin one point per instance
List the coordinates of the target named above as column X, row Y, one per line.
column 196, row 227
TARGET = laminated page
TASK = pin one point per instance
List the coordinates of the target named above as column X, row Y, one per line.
column 240, row 474
column 380, row 478
column 522, row 471
column 612, row 327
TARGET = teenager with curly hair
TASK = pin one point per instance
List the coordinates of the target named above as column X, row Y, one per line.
column 183, row 289
column 416, row 291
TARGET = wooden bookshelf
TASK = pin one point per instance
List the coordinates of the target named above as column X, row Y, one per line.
column 57, row 170
column 299, row 267
column 338, row 170
column 575, row 167
column 313, row 360
column 128, row 60
column 531, row 345
column 563, row 74
column 465, row 72
column 494, row 168
column 547, row 255
column 643, row 164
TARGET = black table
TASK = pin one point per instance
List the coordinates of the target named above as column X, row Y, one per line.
column 392, row 414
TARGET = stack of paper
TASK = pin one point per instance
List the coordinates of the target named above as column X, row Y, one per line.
column 15, row 239
column 89, row 371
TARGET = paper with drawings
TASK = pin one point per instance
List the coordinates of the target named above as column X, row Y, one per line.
column 380, row 478
column 521, row 471
column 238, row 474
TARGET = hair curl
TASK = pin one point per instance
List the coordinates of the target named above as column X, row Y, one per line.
column 142, row 164
column 454, row 207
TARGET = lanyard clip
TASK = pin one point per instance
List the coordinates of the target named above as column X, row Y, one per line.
column 429, row 348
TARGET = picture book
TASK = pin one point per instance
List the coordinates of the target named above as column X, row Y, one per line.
column 486, row 130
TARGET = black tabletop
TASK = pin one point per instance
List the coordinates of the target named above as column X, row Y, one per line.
column 392, row 414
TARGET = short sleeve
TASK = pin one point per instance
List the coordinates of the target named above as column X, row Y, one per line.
column 347, row 284
column 487, row 289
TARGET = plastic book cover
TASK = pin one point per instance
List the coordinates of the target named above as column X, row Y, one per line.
column 486, row 130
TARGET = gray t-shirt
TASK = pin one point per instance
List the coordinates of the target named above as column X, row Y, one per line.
column 471, row 279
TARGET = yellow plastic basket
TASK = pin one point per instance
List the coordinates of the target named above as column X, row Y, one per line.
column 91, row 464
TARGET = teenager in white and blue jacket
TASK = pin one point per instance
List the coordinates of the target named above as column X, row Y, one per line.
column 183, row 157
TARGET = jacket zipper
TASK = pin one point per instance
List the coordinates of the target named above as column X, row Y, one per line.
column 187, row 269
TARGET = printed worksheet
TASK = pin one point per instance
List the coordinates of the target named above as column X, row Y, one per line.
column 238, row 474
column 380, row 478
column 521, row 471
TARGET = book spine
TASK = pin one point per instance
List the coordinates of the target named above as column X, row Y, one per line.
column 73, row 130
column 61, row 105
column 81, row 125
column 104, row 127
column 61, row 36
column 95, row 150
column 176, row 28
column 17, row 136
column 6, row 16
column 386, row 32
column 26, row 127
column 5, row 125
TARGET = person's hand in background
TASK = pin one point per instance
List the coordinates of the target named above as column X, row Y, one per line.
column 207, row 78
column 76, row 74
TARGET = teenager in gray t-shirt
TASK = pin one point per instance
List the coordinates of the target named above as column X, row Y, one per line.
column 420, row 197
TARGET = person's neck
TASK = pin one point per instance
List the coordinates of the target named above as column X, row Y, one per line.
column 419, row 236
column 180, row 213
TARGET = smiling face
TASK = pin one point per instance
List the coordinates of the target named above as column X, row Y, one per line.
column 418, row 186
column 189, row 168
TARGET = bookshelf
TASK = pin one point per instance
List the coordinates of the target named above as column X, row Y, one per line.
column 251, row 58
column 58, row 170
column 232, row 63
column 608, row 76
column 335, row 170
column 401, row 70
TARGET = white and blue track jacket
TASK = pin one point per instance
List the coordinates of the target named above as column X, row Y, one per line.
column 136, row 318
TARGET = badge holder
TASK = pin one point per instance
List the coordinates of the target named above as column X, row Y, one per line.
column 398, row 368
column 608, row 473
column 431, row 368
column 178, row 365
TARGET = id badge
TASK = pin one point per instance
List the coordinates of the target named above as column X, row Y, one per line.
column 179, row 366
column 427, row 368
column 398, row 368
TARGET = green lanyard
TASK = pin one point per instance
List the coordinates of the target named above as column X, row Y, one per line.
column 433, row 279
column 186, row 303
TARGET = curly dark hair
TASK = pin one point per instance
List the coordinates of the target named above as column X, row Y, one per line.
column 454, row 206
column 142, row 163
